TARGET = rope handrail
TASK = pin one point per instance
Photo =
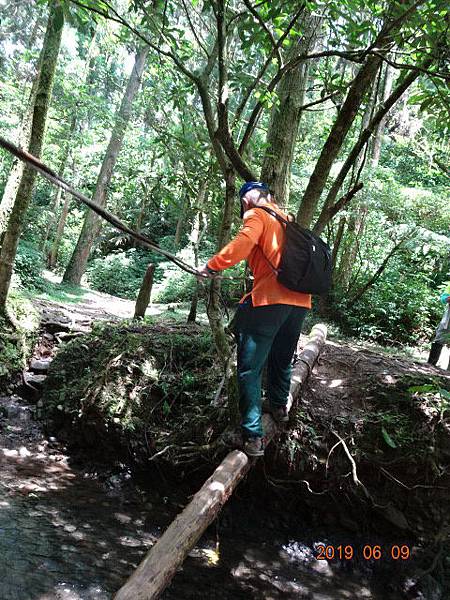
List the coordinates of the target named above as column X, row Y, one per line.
column 57, row 180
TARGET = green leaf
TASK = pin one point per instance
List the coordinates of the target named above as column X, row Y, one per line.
column 444, row 393
column 426, row 103
column 421, row 389
column 387, row 438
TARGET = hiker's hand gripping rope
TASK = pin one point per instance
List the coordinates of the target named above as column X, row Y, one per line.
column 206, row 273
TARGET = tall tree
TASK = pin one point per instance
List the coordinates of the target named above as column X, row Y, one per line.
column 347, row 114
column 15, row 175
column 388, row 80
column 48, row 62
column 234, row 59
column 92, row 223
column 56, row 221
column 286, row 113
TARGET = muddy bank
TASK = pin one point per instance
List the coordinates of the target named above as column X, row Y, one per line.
column 134, row 392
column 366, row 449
column 374, row 431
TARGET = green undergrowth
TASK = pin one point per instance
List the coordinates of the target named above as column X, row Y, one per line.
column 135, row 390
column 62, row 292
column 18, row 331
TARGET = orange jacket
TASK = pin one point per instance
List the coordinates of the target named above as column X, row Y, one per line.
column 261, row 236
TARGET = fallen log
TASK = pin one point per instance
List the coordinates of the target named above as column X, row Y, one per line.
column 162, row 561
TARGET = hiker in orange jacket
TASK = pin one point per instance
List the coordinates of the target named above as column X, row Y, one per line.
column 269, row 318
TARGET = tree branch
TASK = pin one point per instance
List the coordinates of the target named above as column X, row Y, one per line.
column 339, row 205
column 321, row 101
column 363, row 139
column 275, row 46
column 194, row 32
column 223, row 133
column 292, row 64
column 119, row 19
column 265, row 66
column 418, row 68
column 380, row 270
column 441, row 166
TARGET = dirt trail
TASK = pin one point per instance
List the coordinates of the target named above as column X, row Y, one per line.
column 92, row 305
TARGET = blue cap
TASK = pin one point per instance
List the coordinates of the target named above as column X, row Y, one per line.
column 250, row 185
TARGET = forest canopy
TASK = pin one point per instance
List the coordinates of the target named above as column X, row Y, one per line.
column 160, row 110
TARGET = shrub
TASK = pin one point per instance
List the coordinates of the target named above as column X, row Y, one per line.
column 119, row 274
column 179, row 286
column 400, row 308
column 29, row 265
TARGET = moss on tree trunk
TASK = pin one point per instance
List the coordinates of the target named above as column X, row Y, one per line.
column 48, row 61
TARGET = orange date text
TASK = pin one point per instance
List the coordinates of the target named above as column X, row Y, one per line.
column 367, row 552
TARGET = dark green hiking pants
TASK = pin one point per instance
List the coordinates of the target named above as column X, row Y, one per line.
column 265, row 333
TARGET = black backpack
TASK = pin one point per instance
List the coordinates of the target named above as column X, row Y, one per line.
column 305, row 264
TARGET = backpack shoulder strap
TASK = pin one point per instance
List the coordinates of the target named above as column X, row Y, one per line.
column 280, row 220
column 273, row 213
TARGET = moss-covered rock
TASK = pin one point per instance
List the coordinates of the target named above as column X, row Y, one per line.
column 134, row 390
column 18, row 331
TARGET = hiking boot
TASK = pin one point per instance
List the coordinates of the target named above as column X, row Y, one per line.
column 280, row 414
column 254, row 446
column 231, row 439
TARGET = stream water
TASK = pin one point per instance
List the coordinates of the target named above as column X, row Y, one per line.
column 72, row 534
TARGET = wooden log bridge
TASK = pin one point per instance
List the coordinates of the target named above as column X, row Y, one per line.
column 162, row 561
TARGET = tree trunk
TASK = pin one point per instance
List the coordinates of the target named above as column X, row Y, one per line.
column 48, row 61
column 335, row 140
column 329, row 209
column 91, row 226
column 373, row 279
column 15, row 175
column 337, row 243
column 53, row 254
column 52, row 217
column 146, row 196
column 195, row 238
column 355, row 229
column 344, row 120
column 57, row 197
column 379, row 130
column 356, row 221
column 224, row 350
column 12, row 184
column 192, row 316
column 214, row 313
column 285, row 116
column 143, row 298
column 181, row 222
